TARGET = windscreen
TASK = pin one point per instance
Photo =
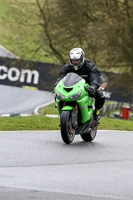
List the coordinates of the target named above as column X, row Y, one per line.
column 70, row 79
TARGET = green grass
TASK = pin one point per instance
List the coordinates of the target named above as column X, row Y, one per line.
column 116, row 124
column 7, row 38
column 21, row 41
column 36, row 122
column 50, row 109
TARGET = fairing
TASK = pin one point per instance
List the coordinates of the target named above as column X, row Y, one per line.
column 70, row 79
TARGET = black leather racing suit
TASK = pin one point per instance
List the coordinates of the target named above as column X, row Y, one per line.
column 91, row 74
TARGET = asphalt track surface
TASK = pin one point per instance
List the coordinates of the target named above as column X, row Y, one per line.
column 21, row 100
column 38, row 165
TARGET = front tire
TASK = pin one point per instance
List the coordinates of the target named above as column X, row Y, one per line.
column 88, row 137
column 67, row 131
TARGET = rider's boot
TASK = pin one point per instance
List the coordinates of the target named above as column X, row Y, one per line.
column 97, row 116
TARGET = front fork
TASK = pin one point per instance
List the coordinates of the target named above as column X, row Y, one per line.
column 74, row 113
column 74, row 118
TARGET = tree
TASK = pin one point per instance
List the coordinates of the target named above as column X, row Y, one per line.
column 48, row 29
column 52, row 28
column 120, row 39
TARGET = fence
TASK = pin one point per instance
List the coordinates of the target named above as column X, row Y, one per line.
column 107, row 109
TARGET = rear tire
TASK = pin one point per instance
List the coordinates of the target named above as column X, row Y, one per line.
column 88, row 137
column 67, row 132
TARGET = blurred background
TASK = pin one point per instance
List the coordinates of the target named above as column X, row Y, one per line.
column 37, row 35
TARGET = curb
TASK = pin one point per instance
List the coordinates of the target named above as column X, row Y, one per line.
column 36, row 111
column 14, row 114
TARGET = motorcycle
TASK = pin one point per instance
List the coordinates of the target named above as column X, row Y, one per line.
column 75, row 108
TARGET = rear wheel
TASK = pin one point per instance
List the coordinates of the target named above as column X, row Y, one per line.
column 67, row 131
column 88, row 137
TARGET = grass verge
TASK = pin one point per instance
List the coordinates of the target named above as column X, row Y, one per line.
column 36, row 122
column 50, row 109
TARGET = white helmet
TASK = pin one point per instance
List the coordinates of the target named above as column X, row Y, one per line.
column 77, row 54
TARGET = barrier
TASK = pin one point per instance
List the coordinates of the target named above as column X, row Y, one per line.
column 42, row 76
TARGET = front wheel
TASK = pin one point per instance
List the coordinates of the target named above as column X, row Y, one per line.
column 88, row 137
column 67, row 131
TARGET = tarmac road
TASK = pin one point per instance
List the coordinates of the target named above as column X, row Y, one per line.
column 38, row 165
column 21, row 100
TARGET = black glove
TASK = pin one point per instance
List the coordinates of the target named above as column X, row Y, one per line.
column 91, row 89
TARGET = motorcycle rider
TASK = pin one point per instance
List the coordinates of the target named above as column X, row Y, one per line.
column 89, row 71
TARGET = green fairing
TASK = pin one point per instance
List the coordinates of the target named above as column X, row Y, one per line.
column 67, row 108
column 83, row 100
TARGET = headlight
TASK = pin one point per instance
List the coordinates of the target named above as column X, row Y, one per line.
column 59, row 95
column 76, row 95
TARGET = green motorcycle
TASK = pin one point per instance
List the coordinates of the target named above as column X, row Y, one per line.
column 75, row 108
